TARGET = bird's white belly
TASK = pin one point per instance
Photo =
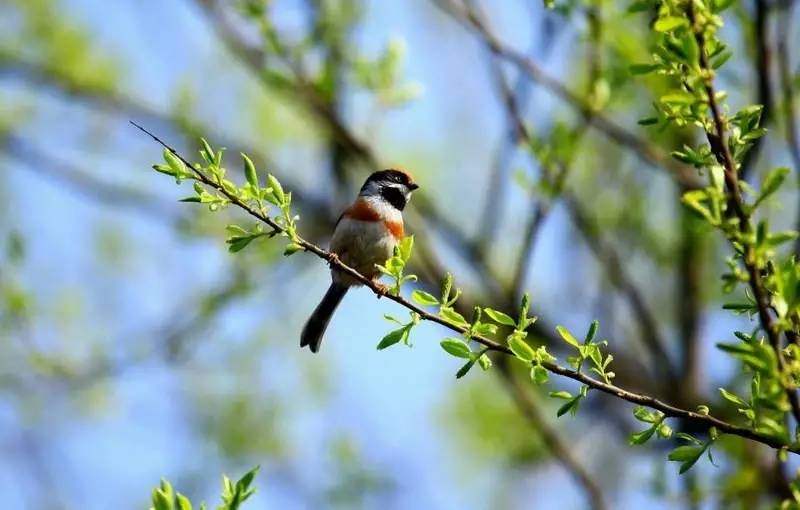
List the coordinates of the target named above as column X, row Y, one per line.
column 361, row 245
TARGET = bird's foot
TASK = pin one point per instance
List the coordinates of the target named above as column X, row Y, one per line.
column 381, row 289
column 333, row 259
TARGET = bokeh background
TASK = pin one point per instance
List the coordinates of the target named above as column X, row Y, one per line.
column 133, row 346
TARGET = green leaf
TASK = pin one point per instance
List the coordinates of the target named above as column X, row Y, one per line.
column 521, row 349
column 456, row 347
column 778, row 238
column 640, row 6
column 183, row 502
column 641, row 437
column 244, row 482
column 236, row 230
column 164, row 169
column 277, row 189
column 524, row 307
column 485, row 361
column 643, row 414
column 500, row 317
column 571, row 406
column 392, row 319
column 405, row 248
column 485, row 329
column 161, row 501
column 453, row 316
column 237, row 244
column 733, row 398
column 292, row 248
column 720, row 59
column 686, row 455
column 206, row 152
column 772, row 182
column 424, row 298
column 539, row 375
column 678, row 98
column 466, row 368
column 567, row 336
column 637, row 69
column 669, row 23
column 250, row 171
column 392, row 338
column 647, row 121
column 447, row 285
column 561, row 394
column 395, row 266
column 592, row 331
column 685, row 452
column 174, row 162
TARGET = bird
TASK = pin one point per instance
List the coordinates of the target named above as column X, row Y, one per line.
column 365, row 235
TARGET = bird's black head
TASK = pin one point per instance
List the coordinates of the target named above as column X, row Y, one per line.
column 393, row 185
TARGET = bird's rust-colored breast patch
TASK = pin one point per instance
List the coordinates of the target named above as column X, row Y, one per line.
column 395, row 228
column 362, row 211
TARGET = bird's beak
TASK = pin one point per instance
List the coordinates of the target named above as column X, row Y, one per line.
column 413, row 186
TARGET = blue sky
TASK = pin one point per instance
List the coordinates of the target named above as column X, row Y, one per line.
column 112, row 443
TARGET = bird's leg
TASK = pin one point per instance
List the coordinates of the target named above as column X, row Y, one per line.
column 381, row 289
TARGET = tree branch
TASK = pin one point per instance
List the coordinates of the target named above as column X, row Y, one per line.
column 703, row 420
column 719, row 146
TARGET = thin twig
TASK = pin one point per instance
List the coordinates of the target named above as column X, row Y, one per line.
column 704, row 420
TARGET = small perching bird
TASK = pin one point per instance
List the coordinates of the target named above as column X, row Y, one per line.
column 365, row 235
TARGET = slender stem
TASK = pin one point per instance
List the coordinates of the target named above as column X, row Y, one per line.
column 703, row 420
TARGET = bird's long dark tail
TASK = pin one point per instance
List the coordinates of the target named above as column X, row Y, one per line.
column 318, row 322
